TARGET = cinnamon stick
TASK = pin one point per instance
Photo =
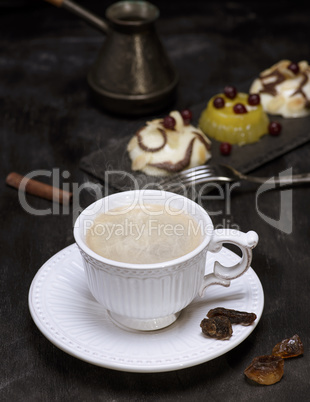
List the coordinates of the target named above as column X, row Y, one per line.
column 38, row 188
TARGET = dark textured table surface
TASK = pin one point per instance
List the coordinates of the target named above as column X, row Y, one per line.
column 48, row 121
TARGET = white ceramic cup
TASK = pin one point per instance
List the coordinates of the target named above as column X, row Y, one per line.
column 151, row 296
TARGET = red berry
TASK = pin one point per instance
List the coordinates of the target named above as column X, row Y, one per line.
column 187, row 116
column 169, row 122
column 254, row 99
column 230, row 92
column 274, row 128
column 294, row 67
column 239, row 108
column 225, row 148
column 219, row 102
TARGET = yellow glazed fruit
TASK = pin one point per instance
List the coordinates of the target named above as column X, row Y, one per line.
column 224, row 125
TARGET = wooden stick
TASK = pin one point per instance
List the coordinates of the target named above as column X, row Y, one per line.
column 81, row 12
column 34, row 187
column 57, row 3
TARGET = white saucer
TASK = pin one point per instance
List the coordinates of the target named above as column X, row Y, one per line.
column 64, row 310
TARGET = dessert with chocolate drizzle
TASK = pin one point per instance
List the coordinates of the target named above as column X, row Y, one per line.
column 168, row 145
column 284, row 88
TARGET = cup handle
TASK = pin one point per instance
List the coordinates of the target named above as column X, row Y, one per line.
column 222, row 275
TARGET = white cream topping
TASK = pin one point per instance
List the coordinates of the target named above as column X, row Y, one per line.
column 174, row 147
column 292, row 96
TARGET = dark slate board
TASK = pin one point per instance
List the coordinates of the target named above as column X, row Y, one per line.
column 114, row 157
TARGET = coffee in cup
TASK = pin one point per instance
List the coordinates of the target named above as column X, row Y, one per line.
column 146, row 234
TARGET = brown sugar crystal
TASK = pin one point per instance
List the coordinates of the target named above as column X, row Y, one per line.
column 235, row 317
column 217, row 327
column 290, row 347
column 266, row 370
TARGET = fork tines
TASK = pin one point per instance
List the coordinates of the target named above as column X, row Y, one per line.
column 189, row 176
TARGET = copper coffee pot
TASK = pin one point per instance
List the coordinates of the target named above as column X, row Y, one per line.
column 132, row 74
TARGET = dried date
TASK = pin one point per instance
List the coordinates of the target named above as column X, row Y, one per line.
column 266, row 370
column 290, row 347
column 235, row 317
column 217, row 327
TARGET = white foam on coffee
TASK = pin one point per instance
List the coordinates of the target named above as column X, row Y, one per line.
column 145, row 235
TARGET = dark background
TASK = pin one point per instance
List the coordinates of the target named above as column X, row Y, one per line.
column 48, row 120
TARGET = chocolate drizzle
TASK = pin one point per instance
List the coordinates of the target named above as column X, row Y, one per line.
column 148, row 149
column 270, row 87
column 177, row 167
column 167, row 165
column 299, row 90
column 202, row 139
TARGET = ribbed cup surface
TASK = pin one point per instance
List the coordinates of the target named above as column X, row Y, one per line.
column 145, row 293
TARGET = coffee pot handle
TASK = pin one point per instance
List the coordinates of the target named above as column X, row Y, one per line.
column 80, row 11
column 222, row 275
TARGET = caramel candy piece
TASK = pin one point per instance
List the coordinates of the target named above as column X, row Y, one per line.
column 290, row 347
column 266, row 370
column 235, row 316
column 217, row 327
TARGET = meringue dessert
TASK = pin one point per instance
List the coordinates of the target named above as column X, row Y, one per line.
column 234, row 118
column 284, row 89
column 168, row 145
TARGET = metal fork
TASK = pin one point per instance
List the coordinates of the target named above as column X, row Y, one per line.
column 223, row 173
